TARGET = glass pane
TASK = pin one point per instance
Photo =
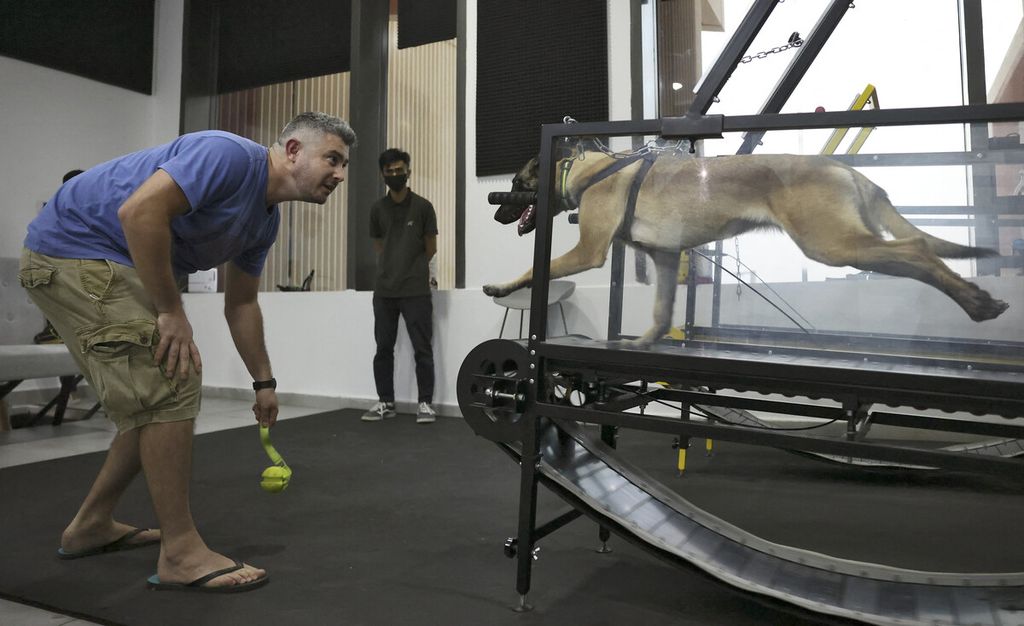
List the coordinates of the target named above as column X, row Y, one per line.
column 842, row 248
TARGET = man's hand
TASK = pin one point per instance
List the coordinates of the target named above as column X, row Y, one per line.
column 265, row 408
column 177, row 345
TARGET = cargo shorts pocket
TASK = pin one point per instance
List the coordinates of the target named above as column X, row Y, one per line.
column 32, row 276
column 120, row 360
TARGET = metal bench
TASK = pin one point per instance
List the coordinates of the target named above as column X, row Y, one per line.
column 21, row 359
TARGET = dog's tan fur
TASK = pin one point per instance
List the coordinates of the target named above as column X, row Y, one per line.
column 834, row 214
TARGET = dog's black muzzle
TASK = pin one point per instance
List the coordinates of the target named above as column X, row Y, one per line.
column 515, row 205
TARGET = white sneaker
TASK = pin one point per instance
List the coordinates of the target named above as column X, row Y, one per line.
column 425, row 414
column 379, row 411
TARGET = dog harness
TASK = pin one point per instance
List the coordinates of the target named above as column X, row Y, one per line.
column 571, row 202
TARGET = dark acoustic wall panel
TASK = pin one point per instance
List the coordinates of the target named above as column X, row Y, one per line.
column 262, row 42
column 110, row 41
column 537, row 61
column 426, row 21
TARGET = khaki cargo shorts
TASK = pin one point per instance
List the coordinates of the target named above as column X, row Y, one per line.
column 104, row 315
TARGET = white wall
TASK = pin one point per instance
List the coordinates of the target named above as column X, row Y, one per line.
column 327, row 353
column 53, row 122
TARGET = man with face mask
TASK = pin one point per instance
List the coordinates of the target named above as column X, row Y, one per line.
column 403, row 226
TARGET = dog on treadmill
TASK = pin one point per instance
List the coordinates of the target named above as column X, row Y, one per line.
column 666, row 202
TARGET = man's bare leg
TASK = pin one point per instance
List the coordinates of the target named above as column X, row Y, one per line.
column 166, row 450
column 94, row 524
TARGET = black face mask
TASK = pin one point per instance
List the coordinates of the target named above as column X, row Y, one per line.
column 397, row 182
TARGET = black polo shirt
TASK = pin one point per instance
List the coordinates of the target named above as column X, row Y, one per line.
column 402, row 267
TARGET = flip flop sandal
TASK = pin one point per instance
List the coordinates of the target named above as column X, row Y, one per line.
column 199, row 584
column 124, row 543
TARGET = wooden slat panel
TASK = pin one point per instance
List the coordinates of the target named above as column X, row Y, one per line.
column 311, row 236
column 421, row 121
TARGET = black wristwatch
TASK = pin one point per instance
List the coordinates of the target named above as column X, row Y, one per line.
column 270, row 383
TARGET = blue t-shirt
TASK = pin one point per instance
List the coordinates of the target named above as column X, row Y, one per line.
column 224, row 177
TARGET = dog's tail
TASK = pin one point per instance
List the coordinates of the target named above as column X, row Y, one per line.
column 879, row 214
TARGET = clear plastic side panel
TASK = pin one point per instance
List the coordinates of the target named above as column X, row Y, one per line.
column 912, row 238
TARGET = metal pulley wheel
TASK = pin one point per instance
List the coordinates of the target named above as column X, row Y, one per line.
column 493, row 387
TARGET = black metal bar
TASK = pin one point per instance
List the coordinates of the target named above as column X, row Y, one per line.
column 692, row 126
column 716, row 289
column 7, row 387
column 1003, row 112
column 461, row 54
column 950, row 425
column 43, row 411
column 968, row 222
column 982, row 391
column 753, row 404
column 88, row 414
column 542, row 238
column 836, row 412
column 856, row 345
column 609, row 435
column 789, row 441
column 622, row 402
column 67, row 386
column 529, row 464
column 555, row 524
column 199, row 65
column 529, row 471
column 691, row 294
column 798, row 67
column 616, row 290
column 368, row 108
column 636, row 59
column 503, row 320
column 618, row 252
column 986, row 232
column 1003, row 205
column 730, row 57
column 1012, row 156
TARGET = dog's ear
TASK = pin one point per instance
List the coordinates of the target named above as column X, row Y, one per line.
column 532, row 168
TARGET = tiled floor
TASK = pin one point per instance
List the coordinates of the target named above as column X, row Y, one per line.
column 44, row 442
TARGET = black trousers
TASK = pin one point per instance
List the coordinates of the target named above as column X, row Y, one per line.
column 418, row 312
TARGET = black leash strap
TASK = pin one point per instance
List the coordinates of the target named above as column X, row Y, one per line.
column 647, row 161
column 634, row 191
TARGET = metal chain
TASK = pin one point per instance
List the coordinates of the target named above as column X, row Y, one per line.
column 794, row 42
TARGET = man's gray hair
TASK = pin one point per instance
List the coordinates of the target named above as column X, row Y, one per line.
column 320, row 123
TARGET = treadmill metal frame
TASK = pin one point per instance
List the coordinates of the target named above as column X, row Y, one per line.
column 857, row 389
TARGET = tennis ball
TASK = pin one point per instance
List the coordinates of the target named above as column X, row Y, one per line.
column 275, row 479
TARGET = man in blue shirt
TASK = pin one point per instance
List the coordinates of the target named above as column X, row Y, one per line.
column 104, row 259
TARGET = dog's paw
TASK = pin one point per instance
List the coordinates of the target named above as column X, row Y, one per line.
column 495, row 291
column 982, row 306
column 991, row 310
column 645, row 340
column 639, row 342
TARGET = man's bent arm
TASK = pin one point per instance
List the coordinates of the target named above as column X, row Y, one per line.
column 146, row 220
column 430, row 245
